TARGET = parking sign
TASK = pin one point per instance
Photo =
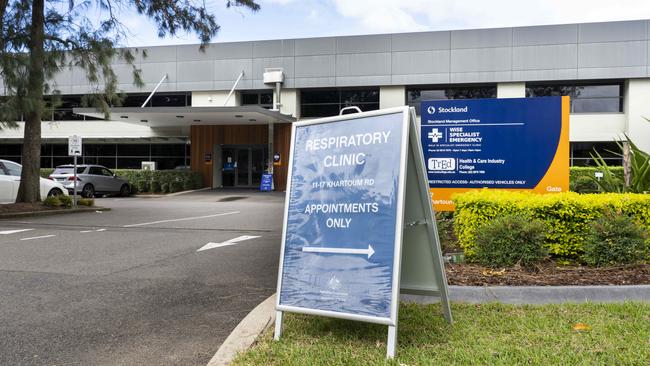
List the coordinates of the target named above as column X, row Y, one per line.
column 74, row 145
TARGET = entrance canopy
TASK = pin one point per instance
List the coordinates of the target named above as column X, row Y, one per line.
column 186, row 116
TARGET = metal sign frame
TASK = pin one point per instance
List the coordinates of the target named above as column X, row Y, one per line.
column 409, row 144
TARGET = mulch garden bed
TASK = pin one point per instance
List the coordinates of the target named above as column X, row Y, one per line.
column 547, row 274
column 25, row 207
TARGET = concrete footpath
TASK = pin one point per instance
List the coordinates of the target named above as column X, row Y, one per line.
column 263, row 316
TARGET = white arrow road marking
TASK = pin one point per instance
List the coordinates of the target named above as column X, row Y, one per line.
column 368, row 251
column 7, row 232
column 232, row 241
column 39, row 237
column 182, row 219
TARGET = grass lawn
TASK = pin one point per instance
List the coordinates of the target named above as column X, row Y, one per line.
column 488, row 334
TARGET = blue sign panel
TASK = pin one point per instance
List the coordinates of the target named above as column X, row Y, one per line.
column 266, row 184
column 342, row 216
column 499, row 143
column 228, row 166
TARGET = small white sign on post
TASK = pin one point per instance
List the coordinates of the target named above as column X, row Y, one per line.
column 74, row 145
column 74, row 149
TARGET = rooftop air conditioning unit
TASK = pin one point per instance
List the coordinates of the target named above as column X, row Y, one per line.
column 148, row 165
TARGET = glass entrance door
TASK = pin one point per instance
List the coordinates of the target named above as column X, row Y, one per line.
column 243, row 165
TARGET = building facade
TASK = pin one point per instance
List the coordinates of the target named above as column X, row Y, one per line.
column 209, row 111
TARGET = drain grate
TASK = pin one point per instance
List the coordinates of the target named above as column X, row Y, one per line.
column 231, row 198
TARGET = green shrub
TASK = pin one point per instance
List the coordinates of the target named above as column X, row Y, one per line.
column 175, row 186
column 155, row 186
column 567, row 215
column 142, row 185
column 584, row 185
column 52, row 201
column 66, row 201
column 164, row 187
column 45, row 172
column 58, row 201
column 616, row 239
column 445, row 223
column 188, row 184
column 152, row 180
column 509, row 240
column 86, row 202
column 582, row 179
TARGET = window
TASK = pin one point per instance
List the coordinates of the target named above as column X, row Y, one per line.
column 95, row 170
column 415, row 95
column 581, row 153
column 585, row 98
column 12, row 169
column 68, row 170
column 262, row 98
column 110, row 155
column 158, row 100
column 328, row 102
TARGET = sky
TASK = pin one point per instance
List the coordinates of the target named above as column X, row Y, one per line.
column 279, row 19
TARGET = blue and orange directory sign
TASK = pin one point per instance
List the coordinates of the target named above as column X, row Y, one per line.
column 518, row 143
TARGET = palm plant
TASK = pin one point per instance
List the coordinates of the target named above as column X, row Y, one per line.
column 639, row 168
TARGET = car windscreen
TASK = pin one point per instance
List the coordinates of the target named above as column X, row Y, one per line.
column 68, row 170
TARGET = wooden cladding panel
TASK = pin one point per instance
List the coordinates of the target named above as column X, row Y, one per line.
column 281, row 144
column 205, row 137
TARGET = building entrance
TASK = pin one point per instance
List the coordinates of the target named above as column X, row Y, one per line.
column 243, row 165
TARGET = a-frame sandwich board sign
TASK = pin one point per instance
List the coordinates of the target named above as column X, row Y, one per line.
column 358, row 220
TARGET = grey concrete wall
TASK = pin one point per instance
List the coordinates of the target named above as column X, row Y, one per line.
column 556, row 52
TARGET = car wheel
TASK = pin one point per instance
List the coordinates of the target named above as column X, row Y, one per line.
column 54, row 192
column 88, row 191
column 125, row 190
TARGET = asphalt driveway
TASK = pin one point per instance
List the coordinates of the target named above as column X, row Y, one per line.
column 128, row 286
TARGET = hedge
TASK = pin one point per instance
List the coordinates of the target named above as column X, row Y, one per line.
column 567, row 215
column 143, row 180
column 581, row 178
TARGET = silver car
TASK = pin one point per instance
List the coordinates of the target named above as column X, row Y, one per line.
column 91, row 180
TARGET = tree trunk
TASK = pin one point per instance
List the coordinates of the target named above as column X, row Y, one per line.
column 627, row 168
column 29, row 190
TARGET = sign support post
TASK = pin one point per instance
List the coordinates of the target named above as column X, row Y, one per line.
column 358, row 224
column 74, row 190
column 75, row 145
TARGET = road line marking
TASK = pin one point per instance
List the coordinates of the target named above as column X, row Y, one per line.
column 369, row 251
column 39, row 237
column 90, row 231
column 7, row 232
column 232, row 241
column 183, row 219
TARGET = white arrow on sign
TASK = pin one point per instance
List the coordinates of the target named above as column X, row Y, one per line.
column 232, row 241
column 368, row 251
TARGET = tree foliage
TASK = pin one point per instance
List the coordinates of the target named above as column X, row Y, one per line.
column 39, row 38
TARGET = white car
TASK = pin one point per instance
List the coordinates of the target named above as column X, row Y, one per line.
column 10, row 180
